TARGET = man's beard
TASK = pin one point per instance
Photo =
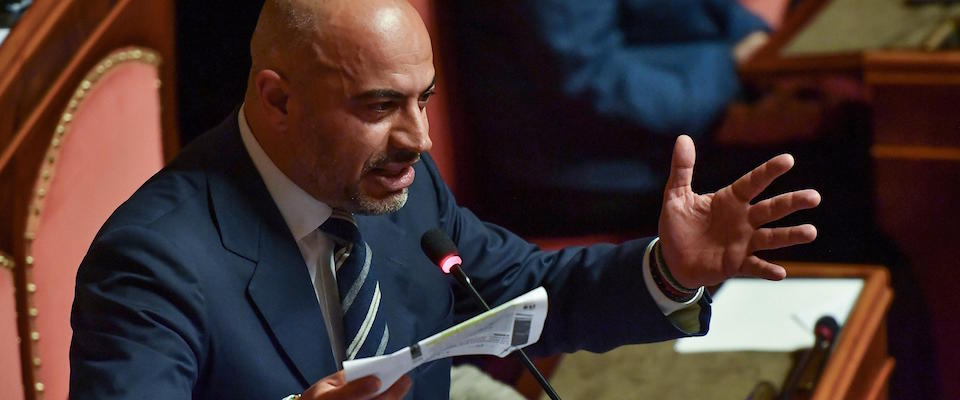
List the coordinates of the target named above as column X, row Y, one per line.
column 368, row 205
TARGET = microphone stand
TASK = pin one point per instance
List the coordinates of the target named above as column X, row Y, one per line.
column 465, row 282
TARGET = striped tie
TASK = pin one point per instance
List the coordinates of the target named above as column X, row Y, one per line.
column 364, row 328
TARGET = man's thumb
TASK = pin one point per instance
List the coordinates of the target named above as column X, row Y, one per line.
column 681, row 166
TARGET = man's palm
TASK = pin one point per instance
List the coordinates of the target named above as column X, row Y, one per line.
column 710, row 237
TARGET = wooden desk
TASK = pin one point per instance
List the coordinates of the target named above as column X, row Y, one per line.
column 858, row 369
column 915, row 97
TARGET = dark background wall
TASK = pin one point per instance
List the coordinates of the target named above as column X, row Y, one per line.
column 213, row 59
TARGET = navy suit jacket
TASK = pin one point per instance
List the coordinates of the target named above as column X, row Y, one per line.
column 195, row 287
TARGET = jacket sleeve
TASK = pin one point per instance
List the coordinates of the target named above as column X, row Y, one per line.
column 665, row 66
column 137, row 320
column 594, row 289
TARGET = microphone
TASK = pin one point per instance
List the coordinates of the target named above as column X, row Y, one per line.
column 440, row 249
column 443, row 252
column 763, row 391
column 804, row 377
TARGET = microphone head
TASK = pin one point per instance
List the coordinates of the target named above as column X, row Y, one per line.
column 826, row 328
column 440, row 249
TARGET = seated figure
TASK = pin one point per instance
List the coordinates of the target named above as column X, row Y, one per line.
column 590, row 96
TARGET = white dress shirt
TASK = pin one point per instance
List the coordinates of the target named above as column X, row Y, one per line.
column 303, row 214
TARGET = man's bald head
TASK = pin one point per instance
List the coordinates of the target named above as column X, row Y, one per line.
column 294, row 36
column 282, row 27
column 337, row 97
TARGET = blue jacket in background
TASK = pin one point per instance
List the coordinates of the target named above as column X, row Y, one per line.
column 590, row 95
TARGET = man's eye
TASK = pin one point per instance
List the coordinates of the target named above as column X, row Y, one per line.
column 426, row 96
column 381, row 107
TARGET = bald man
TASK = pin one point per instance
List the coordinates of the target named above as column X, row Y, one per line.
column 224, row 275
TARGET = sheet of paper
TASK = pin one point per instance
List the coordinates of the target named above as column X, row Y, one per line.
column 760, row 315
column 510, row 326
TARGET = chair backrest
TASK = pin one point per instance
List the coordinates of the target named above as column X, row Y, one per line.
column 92, row 117
column 107, row 144
column 11, row 379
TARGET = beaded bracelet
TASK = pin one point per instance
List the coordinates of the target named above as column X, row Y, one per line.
column 665, row 281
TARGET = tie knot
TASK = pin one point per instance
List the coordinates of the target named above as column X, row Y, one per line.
column 341, row 227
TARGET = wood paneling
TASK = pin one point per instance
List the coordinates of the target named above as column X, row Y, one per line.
column 916, row 159
column 917, row 171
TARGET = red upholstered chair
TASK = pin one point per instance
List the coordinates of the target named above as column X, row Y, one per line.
column 107, row 144
column 11, row 379
column 88, row 85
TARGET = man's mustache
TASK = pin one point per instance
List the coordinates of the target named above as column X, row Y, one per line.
column 398, row 157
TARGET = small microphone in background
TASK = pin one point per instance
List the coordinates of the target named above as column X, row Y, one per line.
column 825, row 331
column 763, row 391
column 803, row 378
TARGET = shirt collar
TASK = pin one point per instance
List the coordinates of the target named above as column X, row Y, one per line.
column 301, row 211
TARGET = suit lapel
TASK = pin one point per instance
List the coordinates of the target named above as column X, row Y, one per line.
column 279, row 288
column 384, row 237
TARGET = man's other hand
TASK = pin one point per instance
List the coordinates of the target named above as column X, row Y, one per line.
column 707, row 238
column 335, row 387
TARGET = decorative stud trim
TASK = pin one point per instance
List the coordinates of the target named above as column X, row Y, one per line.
column 48, row 169
column 6, row 261
column 130, row 54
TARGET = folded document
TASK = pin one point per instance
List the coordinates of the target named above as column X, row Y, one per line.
column 510, row 326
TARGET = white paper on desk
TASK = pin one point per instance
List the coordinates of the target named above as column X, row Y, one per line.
column 510, row 326
column 760, row 315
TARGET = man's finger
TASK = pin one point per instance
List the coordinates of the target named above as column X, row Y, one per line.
column 398, row 390
column 775, row 238
column 754, row 182
column 362, row 388
column 681, row 167
column 780, row 206
column 756, row 267
column 335, row 387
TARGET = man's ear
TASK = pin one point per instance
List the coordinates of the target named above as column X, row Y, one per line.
column 273, row 93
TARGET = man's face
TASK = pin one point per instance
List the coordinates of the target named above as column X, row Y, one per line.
column 357, row 117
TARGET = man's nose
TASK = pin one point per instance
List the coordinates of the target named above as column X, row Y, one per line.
column 413, row 134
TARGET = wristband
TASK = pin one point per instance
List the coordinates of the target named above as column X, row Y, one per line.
column 665, row 281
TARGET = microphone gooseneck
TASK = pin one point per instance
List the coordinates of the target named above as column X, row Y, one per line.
column 805, row 374
column 440, row 249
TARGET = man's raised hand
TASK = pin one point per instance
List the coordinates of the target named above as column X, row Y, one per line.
column 707, row 238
